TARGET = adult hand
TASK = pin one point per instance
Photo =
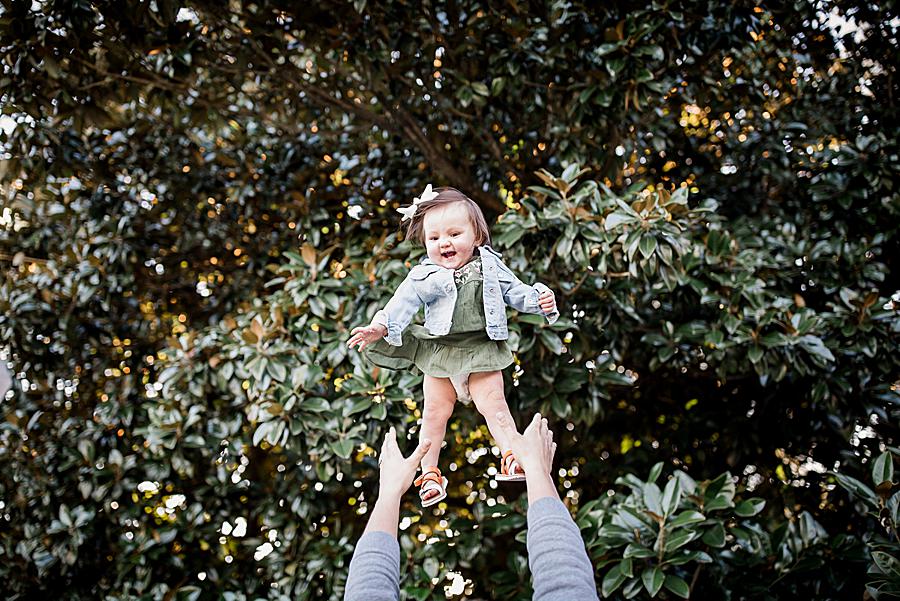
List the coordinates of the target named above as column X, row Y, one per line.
column 534, row 448
column 366, row 335
column 397, row 472
column 547, row 301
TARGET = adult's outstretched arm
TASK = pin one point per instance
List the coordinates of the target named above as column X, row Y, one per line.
column 560, row 568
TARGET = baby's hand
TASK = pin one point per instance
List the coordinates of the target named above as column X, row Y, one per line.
column 366, row 335
column 547, row 301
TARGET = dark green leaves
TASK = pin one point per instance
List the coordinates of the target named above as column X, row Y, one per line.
column 677, row 586
column 653, row 579
column 883, row 469
column 715, row 536
column 200, row 204
column 612, row 580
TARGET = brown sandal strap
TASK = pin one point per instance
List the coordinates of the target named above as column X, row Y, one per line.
column 432, row 474
column 506, row 463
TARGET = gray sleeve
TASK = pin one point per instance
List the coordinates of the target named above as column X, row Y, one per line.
column 560, row 568
column 374, row 569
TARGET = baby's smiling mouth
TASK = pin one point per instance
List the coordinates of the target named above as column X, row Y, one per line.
column 448, row 254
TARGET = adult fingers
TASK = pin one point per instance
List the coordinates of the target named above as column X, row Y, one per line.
column 390, row 441
column 534, row 424
column 420, row 451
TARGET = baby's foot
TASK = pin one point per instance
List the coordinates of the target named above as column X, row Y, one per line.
column 432, row 486
column 510, row 470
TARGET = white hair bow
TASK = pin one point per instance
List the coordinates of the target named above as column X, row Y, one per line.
column 409, row 211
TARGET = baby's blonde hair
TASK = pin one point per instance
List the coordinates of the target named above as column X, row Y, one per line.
column 416, row 231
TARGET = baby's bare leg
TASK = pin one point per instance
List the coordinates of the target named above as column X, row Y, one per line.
column 440, row 396
column 486, row 389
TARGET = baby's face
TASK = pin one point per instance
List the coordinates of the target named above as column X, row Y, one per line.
column 449, row 235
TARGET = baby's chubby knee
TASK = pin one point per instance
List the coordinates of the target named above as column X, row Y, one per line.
column 490, row 401
column 438, row 407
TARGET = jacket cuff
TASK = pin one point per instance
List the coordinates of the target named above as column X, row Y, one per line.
column 394, row 333
column 552, row 316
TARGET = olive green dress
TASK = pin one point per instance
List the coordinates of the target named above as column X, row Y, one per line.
column 465, row 349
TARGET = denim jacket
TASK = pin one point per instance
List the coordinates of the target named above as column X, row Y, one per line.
column 431, row 285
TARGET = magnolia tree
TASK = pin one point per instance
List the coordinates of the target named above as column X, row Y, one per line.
column 199, row 205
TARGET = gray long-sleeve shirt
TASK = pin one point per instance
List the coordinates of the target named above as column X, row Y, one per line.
column 560, row 567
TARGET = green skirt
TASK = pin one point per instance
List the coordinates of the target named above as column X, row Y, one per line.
column 441, row 356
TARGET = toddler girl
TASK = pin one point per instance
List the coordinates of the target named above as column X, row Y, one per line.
column 461, row 349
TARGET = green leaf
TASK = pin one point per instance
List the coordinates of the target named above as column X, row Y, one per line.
column 677, row 586
column 816, row 347
column 632, row 588
column 653, row 579
column 378, row 411
column 687, row 556
column 559, row 405
column 671, row 496
column 550, row 340
column 858, row 488
column 586, row 94
column 648, row 245
column 893, row 506
column 315, row 404
column 883, row 469
column 604, row 49
column 655, row 471
column 722, row 501
column 261, row 431
column 887, row 563
column 360, row 404
column 755, row 353
column 653, row 498
column 749, row 507
column 687, row 517
column 342, row 448
column 639, row 551
column 614, row 220
column 65, row 517
column 480, row 88
column 613, row 580
column 679, row 539
column 715, row 536
column 277, row 370
column 431, row 567
column 688, row 484
column 625, row 566
column 257, row 366
column 419, row 593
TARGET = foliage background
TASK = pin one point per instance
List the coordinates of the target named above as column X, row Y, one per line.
column 198, row 205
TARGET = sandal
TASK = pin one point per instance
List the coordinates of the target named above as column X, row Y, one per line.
column 510, row 471
column 431, row 479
